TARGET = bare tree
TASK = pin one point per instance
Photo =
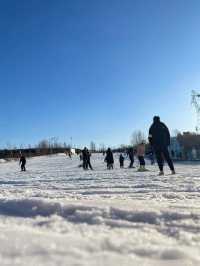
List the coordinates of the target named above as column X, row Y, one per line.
column 43, row 144
column 175, row 133
column 102, row 147
column 92, row 146
column 137, row 137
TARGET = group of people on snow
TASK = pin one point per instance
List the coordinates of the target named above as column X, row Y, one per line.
column 159, row 139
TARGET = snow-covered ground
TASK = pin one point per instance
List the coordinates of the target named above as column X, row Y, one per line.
column 58, row 214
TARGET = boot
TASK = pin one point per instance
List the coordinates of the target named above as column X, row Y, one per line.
column 144, row 168
column 140, row 169
column 161, row 173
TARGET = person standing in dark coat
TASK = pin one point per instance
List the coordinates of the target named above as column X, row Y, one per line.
column 159, row 138
column 130, row 153
column 109, row 159
column 86, row 159
column 22, row 162
column 121, row 160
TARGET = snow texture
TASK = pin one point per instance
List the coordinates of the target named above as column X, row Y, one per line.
column 58, row 214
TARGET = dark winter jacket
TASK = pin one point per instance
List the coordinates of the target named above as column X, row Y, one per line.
column 109, row 157
column 86, row 155
column 159, row 136
column 22, row 160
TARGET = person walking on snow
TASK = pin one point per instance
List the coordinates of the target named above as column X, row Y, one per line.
column 86, row 159
column 22, row 163
column 141, row 154
column 130, row 154
column 150, row 154
column 109, row 159
column 159, row 138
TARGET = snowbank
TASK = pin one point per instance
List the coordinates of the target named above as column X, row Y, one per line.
column 91, row 214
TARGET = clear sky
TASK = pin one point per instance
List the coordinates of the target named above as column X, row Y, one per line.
column 96, row 70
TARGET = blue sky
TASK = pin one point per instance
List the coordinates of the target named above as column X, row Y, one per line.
column 96, row 70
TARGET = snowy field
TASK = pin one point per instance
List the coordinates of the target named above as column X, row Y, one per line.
column 58, row 214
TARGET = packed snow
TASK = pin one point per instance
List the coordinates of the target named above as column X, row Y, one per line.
column 58, row 214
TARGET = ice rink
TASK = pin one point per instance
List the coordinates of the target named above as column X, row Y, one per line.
column 58, row 214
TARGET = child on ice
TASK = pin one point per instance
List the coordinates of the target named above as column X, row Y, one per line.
column 121, row 161
column 141, row 154
column 109, row 159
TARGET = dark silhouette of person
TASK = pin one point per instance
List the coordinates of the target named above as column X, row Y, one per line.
column 86, row 159
column 150, row 154
column 159, row 138
column 151, row 157
column 121, row 160
column 22, row 162
column 109, row 159
column 130, row 154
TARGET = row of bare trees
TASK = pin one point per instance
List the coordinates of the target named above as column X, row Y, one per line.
column 136, row 138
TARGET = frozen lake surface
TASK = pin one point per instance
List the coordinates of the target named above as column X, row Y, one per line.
column 58, row 214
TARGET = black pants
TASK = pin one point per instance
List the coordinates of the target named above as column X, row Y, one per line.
column 121, row 164
column 141, row 160
column 89, row 164
column 23, row 168
column 131, row 163
column 109, row 166
column 161, row 155
column 86, row 164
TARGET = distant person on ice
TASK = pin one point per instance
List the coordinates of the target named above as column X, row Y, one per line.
column 130, row 154
column 70, row 154
column 151, row 158
column 150, row 154
column 86, row 159
column 159, row 138
column 121, row 160
column 109, row 159
column 140, row 155
column 22, row 163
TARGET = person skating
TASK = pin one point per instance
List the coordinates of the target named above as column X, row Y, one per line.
column 151, row 158
column 140, row 155
column 86, row 159
column 109, row 159
column 121, row 160
column 159, row 138
column 22, row 163
column 150, row 154
column 130, row 154
column 89, row 161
